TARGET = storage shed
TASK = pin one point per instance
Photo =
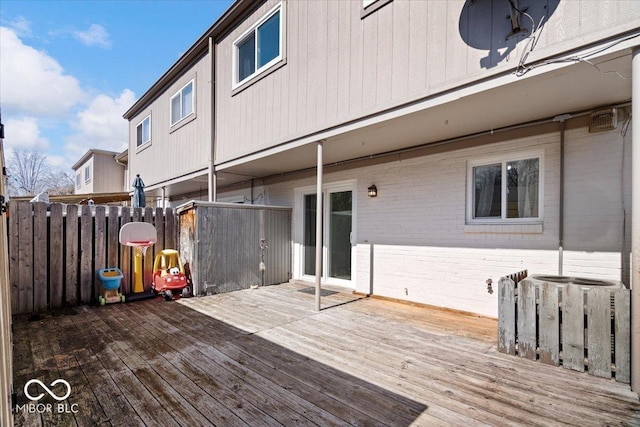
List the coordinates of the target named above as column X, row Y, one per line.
column 232, row 246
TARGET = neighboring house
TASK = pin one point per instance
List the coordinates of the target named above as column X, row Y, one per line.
column 99, row 171
column 492, row 146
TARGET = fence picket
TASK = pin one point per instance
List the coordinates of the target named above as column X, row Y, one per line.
column 599, row 332
column 549, row 325
column 100, row 242
column 125, row 253
column 71, row 256
column 507, row 316
column 573, row 328
column 170, row 240
column 159, row 224
column 14, row 244
column 113, row 229
column 56, row 256
column 527, row 319
column 40, row 266
column 86, row 254
column 622, row 329
column 149, row 256
column 25, row 257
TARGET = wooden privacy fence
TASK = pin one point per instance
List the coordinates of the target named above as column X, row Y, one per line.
column 566, row 325
column 56, row 250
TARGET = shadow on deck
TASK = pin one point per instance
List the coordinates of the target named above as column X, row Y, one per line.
column 265, row 357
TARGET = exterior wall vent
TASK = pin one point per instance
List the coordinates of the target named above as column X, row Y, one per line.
column 603, row 120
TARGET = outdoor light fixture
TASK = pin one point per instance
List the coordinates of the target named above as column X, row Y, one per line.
column 372, row 191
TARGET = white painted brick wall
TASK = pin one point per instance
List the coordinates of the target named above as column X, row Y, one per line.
column 425, row 252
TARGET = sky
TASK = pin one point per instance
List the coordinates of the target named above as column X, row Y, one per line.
column 70, row 69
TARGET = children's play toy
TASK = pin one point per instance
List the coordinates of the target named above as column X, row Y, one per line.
column 168, row 274
column 110, row 278
column 139, row 236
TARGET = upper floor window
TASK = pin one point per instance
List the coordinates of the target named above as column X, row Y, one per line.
column 182, row 103
column 259, row 47
column 87, row 173
column 505, row 189
column 78, row 180
column 143, row 131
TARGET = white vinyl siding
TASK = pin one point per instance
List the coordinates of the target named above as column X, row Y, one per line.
column 182, row 103
column 258, row 48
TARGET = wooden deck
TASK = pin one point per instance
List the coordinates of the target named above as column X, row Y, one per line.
column 263, row 357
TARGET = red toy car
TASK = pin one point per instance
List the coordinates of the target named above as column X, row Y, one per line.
column 168, row 274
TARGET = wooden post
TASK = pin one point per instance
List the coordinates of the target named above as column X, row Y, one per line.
column 6, row 345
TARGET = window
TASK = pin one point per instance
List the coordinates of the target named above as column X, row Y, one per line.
column 78, row 180
column 143, row 132
column 505, row 189
column 258, row 48
column 87, row 173
column 182, row 103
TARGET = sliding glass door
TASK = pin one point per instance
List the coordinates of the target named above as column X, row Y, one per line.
column 337, row 235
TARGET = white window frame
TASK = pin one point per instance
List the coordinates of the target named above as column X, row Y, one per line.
column 78, row 180
column 253, row 29
column 143, row 142
column 87, row 174
column 298, row 257
column 503, row 160
column 179, row 93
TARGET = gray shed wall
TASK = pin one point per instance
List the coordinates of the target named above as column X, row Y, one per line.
column 221, row 243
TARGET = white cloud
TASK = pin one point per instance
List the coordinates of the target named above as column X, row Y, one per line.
column 33, row 83
column 101, row 125
column 24, row 134
column 96, row 35
column 21, row 26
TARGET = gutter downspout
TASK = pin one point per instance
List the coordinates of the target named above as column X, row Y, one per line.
column 213, row 175
column 562, row 119
column 635, row 221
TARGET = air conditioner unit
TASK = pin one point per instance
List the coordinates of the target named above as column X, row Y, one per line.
column 603, row 120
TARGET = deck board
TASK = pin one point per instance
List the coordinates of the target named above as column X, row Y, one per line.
column 265, row 357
